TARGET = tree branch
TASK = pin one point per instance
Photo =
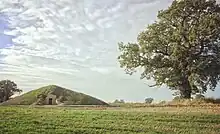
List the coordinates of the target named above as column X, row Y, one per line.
column 201, row 49
column 161, row 52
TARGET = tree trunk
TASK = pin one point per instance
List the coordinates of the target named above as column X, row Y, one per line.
column 185, row 94
column 185, row 90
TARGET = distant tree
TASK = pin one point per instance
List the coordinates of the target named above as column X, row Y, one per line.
column 122, row 101
column 176, row 98
column 7, row 89
column 181, row 49
column 149, row 100
column 162, row 102
column 119, row 101
column 116, row 101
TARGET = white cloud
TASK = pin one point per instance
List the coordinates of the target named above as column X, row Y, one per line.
column 71, row 42
column 100, row 70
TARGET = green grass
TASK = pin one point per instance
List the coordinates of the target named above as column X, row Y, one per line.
column 21, row 120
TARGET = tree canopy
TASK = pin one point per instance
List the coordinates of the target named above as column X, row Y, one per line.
column 119, row 101
column 149, row 100
column 7, row 89
column 180, row 49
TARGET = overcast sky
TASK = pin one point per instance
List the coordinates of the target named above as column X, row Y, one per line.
column 73, row 43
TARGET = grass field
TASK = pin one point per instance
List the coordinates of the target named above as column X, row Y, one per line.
column 21, row 120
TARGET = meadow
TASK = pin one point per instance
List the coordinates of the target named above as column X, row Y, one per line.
column 67, row 120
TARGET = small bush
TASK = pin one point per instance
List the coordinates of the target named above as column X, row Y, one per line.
column 198, row 100
column 199, row 96
column 212, row 100
column 149, row 100
column 119, row 101
column 162, row 103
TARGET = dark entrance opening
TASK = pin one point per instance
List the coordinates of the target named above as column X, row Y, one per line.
column 50, row 101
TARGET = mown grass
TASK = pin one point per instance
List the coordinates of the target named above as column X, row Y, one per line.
column 21, row 120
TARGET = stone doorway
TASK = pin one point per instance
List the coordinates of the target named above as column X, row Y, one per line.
column 50, row 101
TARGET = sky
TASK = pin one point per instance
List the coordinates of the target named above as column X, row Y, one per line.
column 73, row 43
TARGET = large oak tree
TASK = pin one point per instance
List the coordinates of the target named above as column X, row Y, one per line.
column 181, row 49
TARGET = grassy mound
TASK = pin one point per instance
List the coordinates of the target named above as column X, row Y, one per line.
column 64, row 96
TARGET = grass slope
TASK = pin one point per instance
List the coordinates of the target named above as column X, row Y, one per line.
column 69, row 97
column 17, row 120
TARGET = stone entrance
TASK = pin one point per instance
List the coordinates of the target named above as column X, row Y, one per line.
column 51, row 99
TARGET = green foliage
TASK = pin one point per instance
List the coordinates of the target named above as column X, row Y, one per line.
column 121, row 101
column 149, row 100
column 68, row 120
column 177, row 98
column 41, row 98
column 180, row 49
column 208, row 100
column 163, row 102
column 199, row 96
column 197, row 100
column 7, row 89
column 65, row 96
column 212, row 100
